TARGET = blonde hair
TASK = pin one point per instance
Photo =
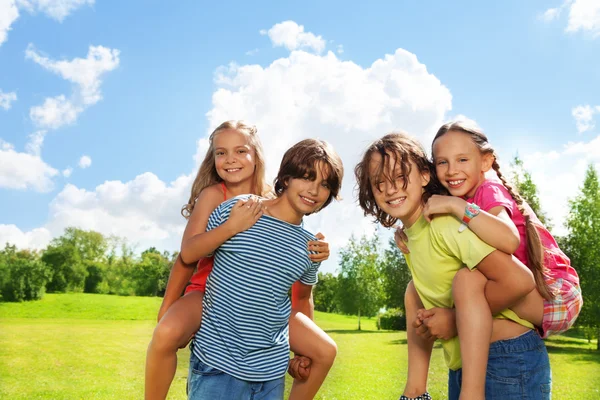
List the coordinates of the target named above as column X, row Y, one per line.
column 535, row 249
column 207, row 173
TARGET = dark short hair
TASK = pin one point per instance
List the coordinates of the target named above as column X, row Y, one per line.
column 404, row 149
column 301, row 161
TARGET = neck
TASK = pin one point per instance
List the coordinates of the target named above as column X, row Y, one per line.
column 281, row 209
column 238, row 188
column 410, row 220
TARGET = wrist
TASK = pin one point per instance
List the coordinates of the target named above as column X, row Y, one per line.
column 471, row 211
column 230, row 228
column 458, row 207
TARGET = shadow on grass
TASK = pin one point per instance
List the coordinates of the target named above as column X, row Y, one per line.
column 589, row 355
column 569, row 341
column 436, row 345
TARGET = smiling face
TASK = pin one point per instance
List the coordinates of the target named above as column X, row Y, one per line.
column 308, row 194
column 397, row 193
column 459, row 164
column 234, row 157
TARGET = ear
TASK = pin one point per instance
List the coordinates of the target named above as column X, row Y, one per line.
column 425, row 178
column 488, row 160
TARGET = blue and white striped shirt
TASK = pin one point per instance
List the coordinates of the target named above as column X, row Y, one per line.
column 246, row 310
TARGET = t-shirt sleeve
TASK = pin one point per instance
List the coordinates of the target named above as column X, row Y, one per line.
column 464, row 246
column 310, row 276
column 492, row 194
column 220, row 214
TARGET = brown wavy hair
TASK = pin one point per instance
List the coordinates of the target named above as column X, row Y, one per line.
column 301, row 160
column 535, row 249
column 401, row 149
column 207, row 173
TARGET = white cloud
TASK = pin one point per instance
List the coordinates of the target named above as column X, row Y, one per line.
column 551, row 14
column 6, row 99
column 340, row 49
column 584, row 117
column 67, row 172
column 36, row 140
column 292, row 36
column 8, row 14
column 84, row 162
column 25, row 170
column 252, row 52
column 55, row 9
column 37, row 238
column 84, row 73
column 584, row 15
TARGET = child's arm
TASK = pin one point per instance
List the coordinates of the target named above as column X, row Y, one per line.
column 495, row 228
column 302, row 300
column 179, row 277
column 198, row 243
column 509, row 280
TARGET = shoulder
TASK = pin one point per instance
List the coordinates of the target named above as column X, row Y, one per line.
column 210, row 196
column 228, row 204
column 492, row 193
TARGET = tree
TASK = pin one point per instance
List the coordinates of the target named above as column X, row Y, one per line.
column 150, row 275
column 396, row 275
column 528, row 190
column 360, row 287
column 325, row 293
column 66, row 256
column 24, row 275
column 583, row 244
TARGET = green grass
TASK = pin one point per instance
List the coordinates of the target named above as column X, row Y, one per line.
column 79, row 346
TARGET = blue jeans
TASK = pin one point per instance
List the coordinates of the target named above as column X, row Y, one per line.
column 208, row 383
column 517, row 368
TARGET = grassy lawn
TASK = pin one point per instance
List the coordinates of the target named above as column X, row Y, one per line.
column 78, row 346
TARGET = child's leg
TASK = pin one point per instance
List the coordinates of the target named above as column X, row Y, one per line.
column 531, row 308
column 419, row 348
column 173, row 332
column 307, row 339
column 474, row 325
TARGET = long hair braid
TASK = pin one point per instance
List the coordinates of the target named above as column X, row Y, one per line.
column 535, row 249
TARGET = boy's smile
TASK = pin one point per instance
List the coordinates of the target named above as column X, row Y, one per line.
column 397, row 195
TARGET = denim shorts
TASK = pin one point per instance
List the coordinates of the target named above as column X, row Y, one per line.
column 207, row 383
column 517, row 368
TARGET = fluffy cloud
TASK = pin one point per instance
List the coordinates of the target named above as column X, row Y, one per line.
column 67, row 172
column 25, row 170
column 584, row 117
column 8, row 14
column 584, row 15
column 84, row 73
column 292, row 36
column 84, row 162
column 37, row 238
column 6, row 99
column 55, row 9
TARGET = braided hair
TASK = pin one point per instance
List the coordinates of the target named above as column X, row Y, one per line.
column 535, row 249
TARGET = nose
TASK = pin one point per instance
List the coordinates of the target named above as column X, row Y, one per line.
column 451, row 169
column 313, row 188
column 390, row 188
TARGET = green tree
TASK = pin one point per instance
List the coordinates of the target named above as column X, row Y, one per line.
column 325, row 293
column 24, row 275
column 528, row 189
column 149, row 276
column 583, row 246
column 360, row 284
column 67, row 256
column 396, row 275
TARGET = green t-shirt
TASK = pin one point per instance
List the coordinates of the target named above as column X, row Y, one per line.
column 437, row 252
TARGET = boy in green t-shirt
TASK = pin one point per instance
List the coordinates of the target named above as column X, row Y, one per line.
column 395, row 179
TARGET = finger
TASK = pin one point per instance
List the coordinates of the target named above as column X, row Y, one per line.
column 417, row 323
column 318, row 257
column 320, row 236
column 425, row 314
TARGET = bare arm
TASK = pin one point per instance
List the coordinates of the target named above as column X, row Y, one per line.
column 198, row 243
column 509, row 280
column 179, row 277
column 302, row 300
column 494, row 227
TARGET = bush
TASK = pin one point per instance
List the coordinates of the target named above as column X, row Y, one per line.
column 392, row 319
column 25, row 276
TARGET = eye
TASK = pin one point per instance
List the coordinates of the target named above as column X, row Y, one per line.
column 400, row 177
column 441, row 162
column 325, row 184
column 463, row 159
column 219, row 153
column 242, row 151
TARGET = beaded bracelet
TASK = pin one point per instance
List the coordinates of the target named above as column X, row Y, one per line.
column 424, row 396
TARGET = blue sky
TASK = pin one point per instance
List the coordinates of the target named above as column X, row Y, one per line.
column 139, row 86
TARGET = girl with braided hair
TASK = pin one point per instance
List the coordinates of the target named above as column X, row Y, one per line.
column 462, row 155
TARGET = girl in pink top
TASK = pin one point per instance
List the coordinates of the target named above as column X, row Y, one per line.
column 462, row 155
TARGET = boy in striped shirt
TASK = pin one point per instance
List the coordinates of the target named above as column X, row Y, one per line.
column 241, row 350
